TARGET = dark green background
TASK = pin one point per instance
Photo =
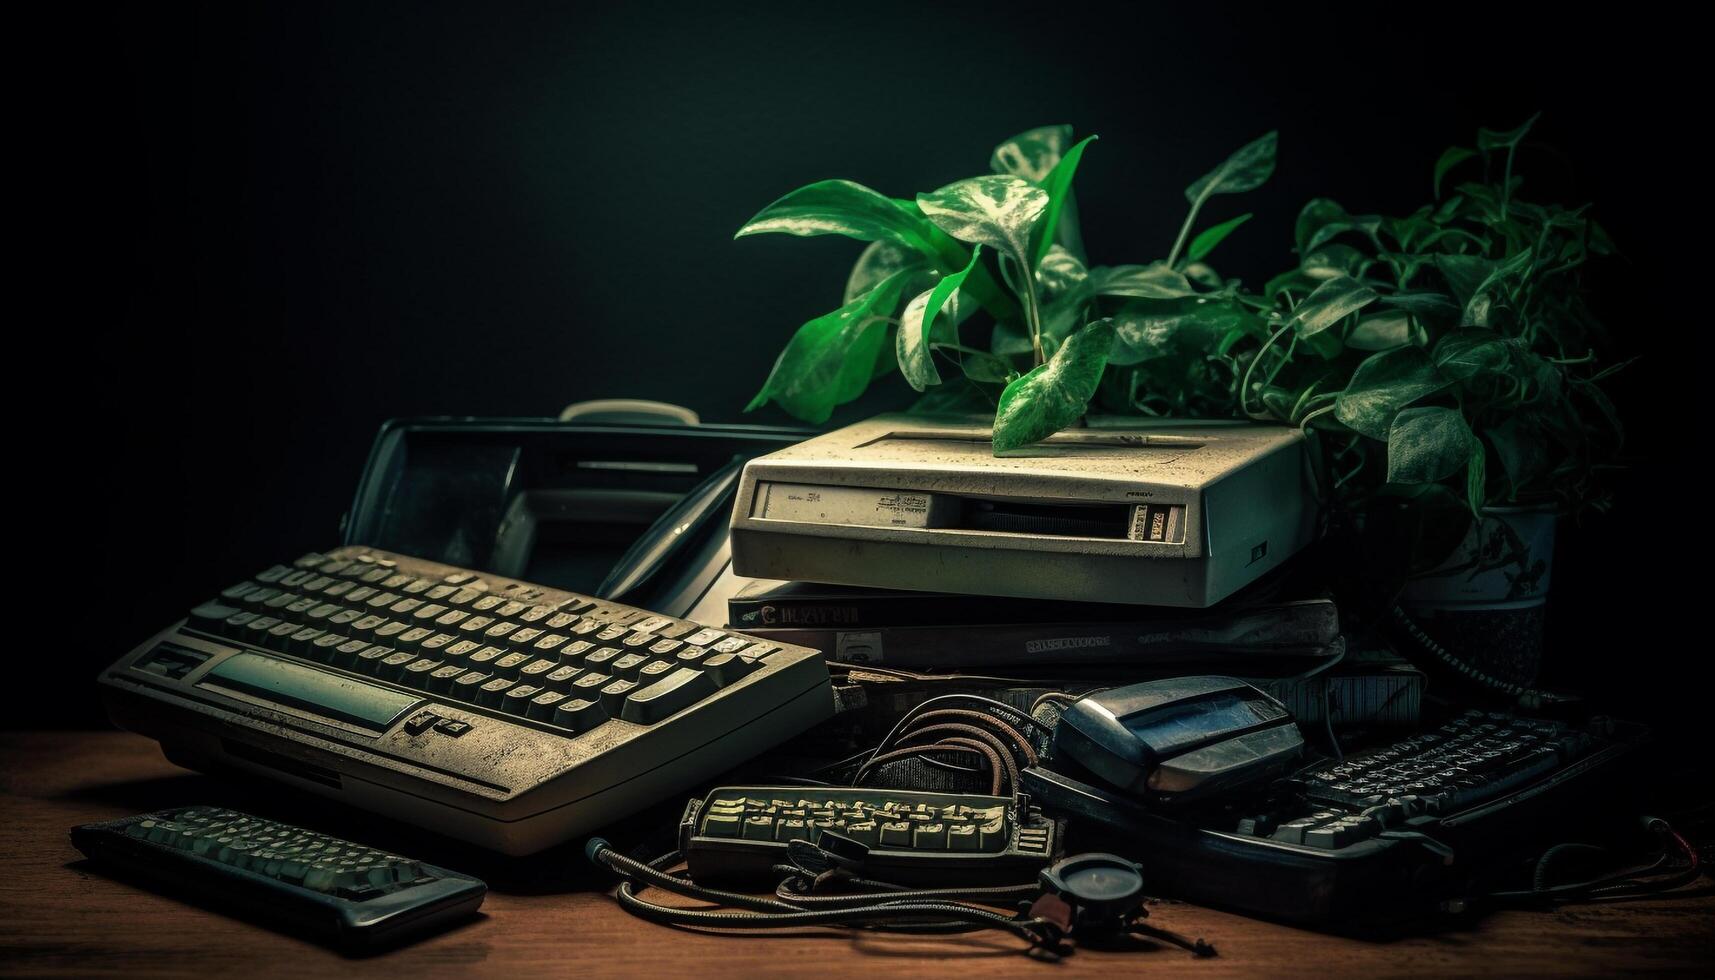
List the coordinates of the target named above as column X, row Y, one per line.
column 261, row 230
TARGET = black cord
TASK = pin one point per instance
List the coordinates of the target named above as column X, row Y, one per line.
column 1644, row 879
column 1528, row 698
column 896, row 914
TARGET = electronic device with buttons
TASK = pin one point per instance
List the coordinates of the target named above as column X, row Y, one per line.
column 740, row 833
column 489, row 709
column 1383, row 835
column 1179, row 739
column 1164, row 512
column 342, row 893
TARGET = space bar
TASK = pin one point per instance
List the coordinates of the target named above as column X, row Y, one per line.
column 317, row 691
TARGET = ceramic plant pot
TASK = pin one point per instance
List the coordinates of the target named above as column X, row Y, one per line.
column 1488, row 601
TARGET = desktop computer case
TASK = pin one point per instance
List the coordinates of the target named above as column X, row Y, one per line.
column 1244, row 489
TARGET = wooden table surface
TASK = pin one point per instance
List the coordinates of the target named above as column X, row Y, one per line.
column 551, row 914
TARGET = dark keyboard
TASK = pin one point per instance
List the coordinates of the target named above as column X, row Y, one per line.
column 1379, row 834
column 1467, row 761
column 503, row 712
column 741, row 832
column 296, row 878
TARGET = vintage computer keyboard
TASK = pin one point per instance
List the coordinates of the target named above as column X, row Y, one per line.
column 1377, row 835
column 492, row 710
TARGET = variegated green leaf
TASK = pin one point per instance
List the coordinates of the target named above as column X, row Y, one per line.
column 831, row 359
column 1488, row 139
column 917, row 328
column 1032, row 154
column 1055, row 394
column 878, row 261
column 1383, row 385
column 1153, row 281
column 1247, row 169
column 1331, row 302
column 1385, row 331
column 1205, row 243
column 1145, row 330
column 1334, row 260
column 1322, row 220
column 1450, row 158
column 998, row 211
column 1060, row 270
column 841, row 207
column 1427, row 445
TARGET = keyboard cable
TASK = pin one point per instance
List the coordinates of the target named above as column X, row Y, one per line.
column 892, row 913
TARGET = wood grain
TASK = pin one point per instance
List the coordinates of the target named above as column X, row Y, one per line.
column 550, row 915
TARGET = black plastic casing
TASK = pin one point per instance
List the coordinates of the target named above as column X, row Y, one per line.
column 1096, row 732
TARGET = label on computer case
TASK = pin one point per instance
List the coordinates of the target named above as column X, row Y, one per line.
column 861, row 506
column 1161, row 523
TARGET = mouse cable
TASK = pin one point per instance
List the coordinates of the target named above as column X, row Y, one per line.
column 1528, row 698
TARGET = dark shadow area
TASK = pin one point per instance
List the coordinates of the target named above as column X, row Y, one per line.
column 292, row 222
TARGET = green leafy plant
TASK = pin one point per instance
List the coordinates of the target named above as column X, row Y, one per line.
column 1449, row 356
column 1055, row 335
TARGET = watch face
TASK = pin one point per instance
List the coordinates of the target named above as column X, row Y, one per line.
column 1097, row 879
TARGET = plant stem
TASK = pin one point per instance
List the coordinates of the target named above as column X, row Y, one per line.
column 1185, row 230
column 1245, row 383
column 1034, row 312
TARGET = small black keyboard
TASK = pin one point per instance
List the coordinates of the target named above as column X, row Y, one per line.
column 1381, row 834
column 1467, row 761
column 339, row 891
column 741, row 832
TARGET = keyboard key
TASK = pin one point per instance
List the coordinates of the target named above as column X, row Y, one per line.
column 534, row 615
column 417, row 671
column 462, row 648
column 493, row 693
column 485, row 657
column 579, row 714
column 728, row 668
column 518, row 698
column 560, row 679
column 469, row 684
column 511, row 664
column 614, row 694
column 440, row 641
column 210, row 615
column 393, row 667
column 412, row 638
column 543, row 704
column 667, row 696
column 602, row 658
column 441, row 679
column 536, row 669
column 629, row 665
column 475, row 626
column 404, row 607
